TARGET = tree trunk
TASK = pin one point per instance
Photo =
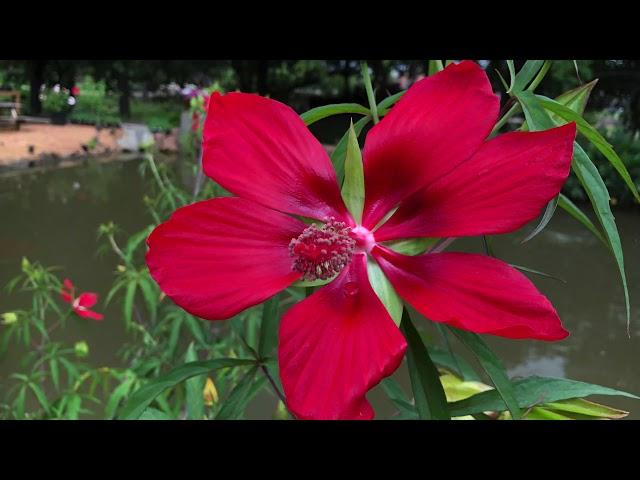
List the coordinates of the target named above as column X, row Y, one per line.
column 36, row 79
column 125, row 94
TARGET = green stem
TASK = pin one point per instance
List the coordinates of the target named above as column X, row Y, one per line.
column 373, row 106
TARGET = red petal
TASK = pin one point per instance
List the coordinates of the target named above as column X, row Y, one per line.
column 66, row 296
column 261, row 150
column 67, row 284
column 472, row 292
column 88, row 314
column 502, row 187
column 335, row 346
column 218, row 257
column 440, row 122
column 87, row 299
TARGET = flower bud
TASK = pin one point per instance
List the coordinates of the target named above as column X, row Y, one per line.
column 210, row 393
column 81, row 349
column 9, row 318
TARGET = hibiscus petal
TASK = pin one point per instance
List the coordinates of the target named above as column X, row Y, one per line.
column 261, row 150
column 218, row 257
column 502, row 187
column 472, row 292
column 67, row 284
column 88, row 314
column 66, row 296
column 440, row 122
column 87, row 299
column 335, row 346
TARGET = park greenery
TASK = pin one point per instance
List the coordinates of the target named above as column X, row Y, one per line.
column 180, row 367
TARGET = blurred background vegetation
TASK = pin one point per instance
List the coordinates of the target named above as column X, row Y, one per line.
column 149, row 92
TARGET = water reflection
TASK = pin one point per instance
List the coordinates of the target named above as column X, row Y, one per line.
column 53, row 216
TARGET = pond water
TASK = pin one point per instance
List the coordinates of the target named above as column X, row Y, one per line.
column 53, row 216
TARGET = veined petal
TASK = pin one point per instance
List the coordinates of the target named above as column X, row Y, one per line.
column 472, row 292
column 440, row 122
column 502, row 187
column 260, row 149
column 218, row 257
column 335, row 346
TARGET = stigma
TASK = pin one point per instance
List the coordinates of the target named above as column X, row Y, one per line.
column 321, row 252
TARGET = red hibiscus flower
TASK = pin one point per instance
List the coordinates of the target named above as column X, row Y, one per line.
column 75, row 91
column 82, row 303
column 429, row 157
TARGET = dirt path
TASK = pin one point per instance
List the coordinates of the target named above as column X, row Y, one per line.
column 35, row 140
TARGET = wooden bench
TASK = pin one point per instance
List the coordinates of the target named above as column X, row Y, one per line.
column 10, row 111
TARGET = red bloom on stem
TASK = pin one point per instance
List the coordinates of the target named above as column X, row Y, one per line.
column 431, row 158
column 75, row 91
column 82, row 303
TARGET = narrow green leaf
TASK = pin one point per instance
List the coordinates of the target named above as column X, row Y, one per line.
column 435, row 66
column 572, row 209
column 537, row 272
column 154, row 414
column 194, row 388
column 195, row 327
column 233, row 405
column 411, row 246
column 430, row 399
column 127, row 307
column 387, row 103
column 494, row 368
column 589, row 177
column 318, row 113
column 150, row 296
column 594, row 137
column 143, row 397
column 339, row 154
column 581, row 407
column 532, row 391
column 42, row 398
column 453, row 362
column 55, row 372
column 120, row 392
column 546, row 218
column 174, row 335
column 353, row 186
column 398, row 398
column 576, row 99
column 512, row 75
column 385, row 291
column 525, row 75
column 269, row 326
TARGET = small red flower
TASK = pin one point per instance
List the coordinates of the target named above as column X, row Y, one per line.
column 429, row 158
column 82, row 303
column 75, row 91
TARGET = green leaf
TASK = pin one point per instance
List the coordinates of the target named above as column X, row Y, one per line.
column 525, row 75
column 42, row 398
column 194, row 388
column 583, row 407
column 532, row 391
column 430, row 399
column 387, row 103
column 587, row 173
column 494, row 368
column 55, row 372
column 195, row 327
column 598, row 194
column 546, row 218
column 117, row 396
column 435, row 66
column 143, row 397
column 537, row 272
column 594, row 137
column 512, row 75
column 174, row 335
column 154, row 414
column 398, row 398
column 385, row 291
column 339, row 154
column 453, row 362
column 411, row 246
column 127, row 307
column 353, row 186
column 150, row 296
column 269, row 326
column 576, row 99
column 318, row 113
column 566, row 204
column 234, row 404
